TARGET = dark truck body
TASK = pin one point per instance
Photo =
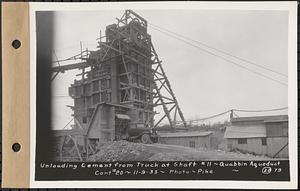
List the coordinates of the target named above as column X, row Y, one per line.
column 139, row 132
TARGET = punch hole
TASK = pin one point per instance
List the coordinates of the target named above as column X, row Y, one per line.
column 16, row 44
column 16, row 147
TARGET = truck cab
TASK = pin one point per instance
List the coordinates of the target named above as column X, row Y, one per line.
column 138, row 131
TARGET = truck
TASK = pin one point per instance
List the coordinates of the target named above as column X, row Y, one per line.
column 139, row 133
column 112, row 122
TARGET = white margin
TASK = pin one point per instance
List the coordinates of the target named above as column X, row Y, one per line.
column 292, row 93
column 32, row 52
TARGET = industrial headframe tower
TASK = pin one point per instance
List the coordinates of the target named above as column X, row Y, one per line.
column 121, row 83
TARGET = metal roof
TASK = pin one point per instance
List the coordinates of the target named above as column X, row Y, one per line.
column 232, row 132
column 186, row 134
column 271, row 118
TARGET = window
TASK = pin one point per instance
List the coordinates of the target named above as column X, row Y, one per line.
column 140, row 116
column 146, row 116
column 134, row 78
column 90, row 112
column 147, row 83
column 87, row 89
column 108, row 97
column 89, row 100
column 96, row 98
column 79, row 102
column 103, row 97
column 263, row 141
column 78, row 90
column 95, row 85
column 242, row 141
column 109, row 82
column 142, row 95
column 192, row 144
column 72, row 91
column 103, row 84
column 122, row 68
column 136, row 93
column 124, row 96
column 84, row 120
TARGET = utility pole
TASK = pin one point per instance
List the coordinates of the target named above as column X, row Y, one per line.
column 231, row 115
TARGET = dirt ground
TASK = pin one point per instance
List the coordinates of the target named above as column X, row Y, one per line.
column 127, row 151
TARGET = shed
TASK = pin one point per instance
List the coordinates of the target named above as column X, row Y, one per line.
column 194, row 139
column 248, row 139
column 261, row 135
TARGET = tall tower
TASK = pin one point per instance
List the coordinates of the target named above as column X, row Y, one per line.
column 125, row 74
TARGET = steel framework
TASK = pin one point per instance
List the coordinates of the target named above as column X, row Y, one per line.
column 125, row 70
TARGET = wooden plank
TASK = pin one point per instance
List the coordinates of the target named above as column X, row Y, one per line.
column 60, row 133
column 64, row 68
column 16, row 106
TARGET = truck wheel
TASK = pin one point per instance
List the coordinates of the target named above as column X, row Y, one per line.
column 145, row 138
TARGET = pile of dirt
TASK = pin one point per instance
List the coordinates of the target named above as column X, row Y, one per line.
column 121, row 151
column 128, row 151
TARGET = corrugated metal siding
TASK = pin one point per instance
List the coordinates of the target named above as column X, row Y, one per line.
column 245, row 131
column 277, row 129
column 244, row 123
column 262, row 118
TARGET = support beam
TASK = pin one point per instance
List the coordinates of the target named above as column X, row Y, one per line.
column 168, row 88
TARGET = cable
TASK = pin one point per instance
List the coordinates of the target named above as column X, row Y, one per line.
column 229, row 61
column 56, row 57
column 223, row 58
column 277, row 109
column 210, row 117
column 235, row 114
column 208, row 46
column 217, row 115
column 68, row 123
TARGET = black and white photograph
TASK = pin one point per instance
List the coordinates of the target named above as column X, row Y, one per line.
column 190, row 87
column 132, row 90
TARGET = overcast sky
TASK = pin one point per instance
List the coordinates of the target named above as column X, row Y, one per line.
column 203, row 84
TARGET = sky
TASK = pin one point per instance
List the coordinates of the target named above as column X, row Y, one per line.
column 204, row 84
